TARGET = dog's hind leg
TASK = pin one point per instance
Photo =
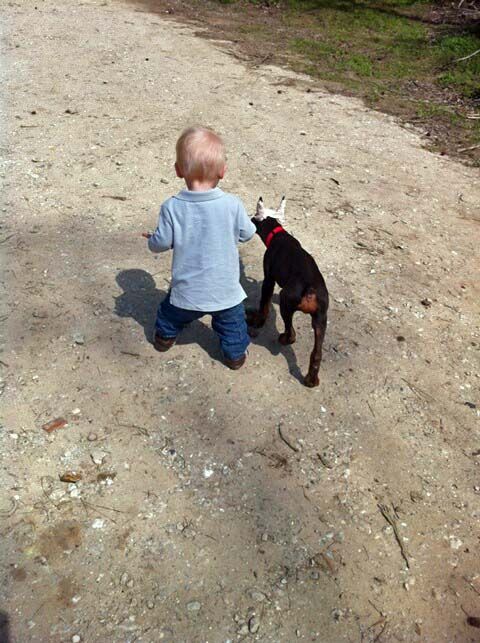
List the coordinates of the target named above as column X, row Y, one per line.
column 257, row 318
column 319, row 325
column 288, row 305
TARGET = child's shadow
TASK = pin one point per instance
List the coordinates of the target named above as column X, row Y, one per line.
column 140, row 300
column 267, row 336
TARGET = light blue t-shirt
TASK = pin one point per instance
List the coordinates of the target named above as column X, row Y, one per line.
column 203, row 229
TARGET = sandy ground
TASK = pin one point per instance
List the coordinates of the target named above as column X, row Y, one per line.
column 194, row 521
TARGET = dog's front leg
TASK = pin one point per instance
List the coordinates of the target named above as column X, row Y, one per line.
column 319, row 325
column 257, row 318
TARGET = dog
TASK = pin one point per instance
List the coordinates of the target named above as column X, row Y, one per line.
column 287, row 264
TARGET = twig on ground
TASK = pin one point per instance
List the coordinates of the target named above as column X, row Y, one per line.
column 376, row 608
column 467, row 57
column 390, row 518
column 377, row 638
column 468, row 149
column 418, row 391
column 118, row 511
column 284, row 439
column 126, row 425
column 11, row 511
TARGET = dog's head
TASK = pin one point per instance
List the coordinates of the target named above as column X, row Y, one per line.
column 262, row 213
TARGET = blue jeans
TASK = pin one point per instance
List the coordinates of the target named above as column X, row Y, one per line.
column 228, row 324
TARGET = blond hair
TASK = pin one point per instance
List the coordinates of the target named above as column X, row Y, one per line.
column 200, row 154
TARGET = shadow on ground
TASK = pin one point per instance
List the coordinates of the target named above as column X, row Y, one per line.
column 141, row 298
column 4, row 628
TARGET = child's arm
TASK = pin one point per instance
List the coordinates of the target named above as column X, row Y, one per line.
column 162, row 239
column 246, row 227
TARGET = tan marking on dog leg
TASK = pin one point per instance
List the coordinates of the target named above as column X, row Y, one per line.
column 308, row 304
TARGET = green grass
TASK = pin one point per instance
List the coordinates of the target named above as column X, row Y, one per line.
column 386, row 51
column 384, row 41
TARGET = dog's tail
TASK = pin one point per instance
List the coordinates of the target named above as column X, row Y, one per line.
column 309, row 301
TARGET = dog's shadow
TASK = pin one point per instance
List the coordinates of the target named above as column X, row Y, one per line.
column 267, row 336
column 140, row 300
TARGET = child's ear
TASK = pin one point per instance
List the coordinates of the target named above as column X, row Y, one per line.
column 178, row 171
column 281, row 208
column 221, row 174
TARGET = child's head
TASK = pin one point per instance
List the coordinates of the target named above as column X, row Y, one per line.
column 200, row 156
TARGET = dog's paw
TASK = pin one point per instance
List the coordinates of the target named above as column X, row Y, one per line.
column 255, row 319
column 285, row 339
column 311, row 380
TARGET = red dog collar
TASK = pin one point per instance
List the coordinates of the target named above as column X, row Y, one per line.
column 271, row 234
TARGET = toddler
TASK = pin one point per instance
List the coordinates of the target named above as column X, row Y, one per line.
column 202, row 225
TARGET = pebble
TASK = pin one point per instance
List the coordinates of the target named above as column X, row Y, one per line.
column 76, row 412
column 91, row 437
column 98, row 523
column 98, row 456
column 258, row 596
column 165, row 181
column 243, row 630
column 76, row 638
column 124, row 578
column 253, row 625
column 78, row 338
column 194, row 606
column 455, row 543
column 150, row 605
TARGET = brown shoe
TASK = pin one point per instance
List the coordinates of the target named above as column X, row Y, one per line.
column 235, row 364
column 162, row 344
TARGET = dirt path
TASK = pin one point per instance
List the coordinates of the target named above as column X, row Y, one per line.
column 193, row 520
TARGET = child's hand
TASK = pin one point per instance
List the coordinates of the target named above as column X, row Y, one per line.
column 146, row 235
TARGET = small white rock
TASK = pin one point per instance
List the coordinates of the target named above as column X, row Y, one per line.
column 194, row 606
column 98, row 523
column 98, row 456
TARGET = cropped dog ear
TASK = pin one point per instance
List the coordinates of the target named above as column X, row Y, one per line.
column 281, row 208
column 260, row 213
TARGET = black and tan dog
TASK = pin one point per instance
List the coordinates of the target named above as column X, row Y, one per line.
column 303, row 288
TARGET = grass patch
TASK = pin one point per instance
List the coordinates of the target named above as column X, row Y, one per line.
column 401, row 56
